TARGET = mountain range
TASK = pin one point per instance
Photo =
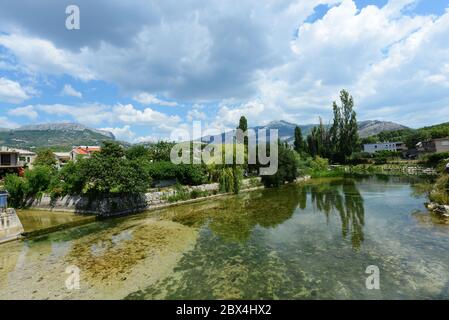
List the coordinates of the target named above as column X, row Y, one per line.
column 286, row 130
column 62, row 136
column 57, row 136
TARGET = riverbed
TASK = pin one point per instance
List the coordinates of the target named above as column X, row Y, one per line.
column 309, row 241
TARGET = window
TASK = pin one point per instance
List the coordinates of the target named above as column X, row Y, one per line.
column 6, row 159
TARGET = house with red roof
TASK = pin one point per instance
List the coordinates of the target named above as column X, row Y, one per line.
column 83, row 151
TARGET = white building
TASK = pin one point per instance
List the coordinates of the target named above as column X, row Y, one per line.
column 384, row 146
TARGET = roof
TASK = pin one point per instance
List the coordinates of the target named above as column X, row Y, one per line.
column 86, row 150
column 4, row 149
column 373, row 144
column 62, row 154
column 25, row 152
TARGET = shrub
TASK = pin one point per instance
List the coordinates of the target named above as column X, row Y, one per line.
column 440, row 192
column 435, row 158
column 39, row 180
column 287, row 168
column 226, row 180
column 17, row 189
column 189, row 174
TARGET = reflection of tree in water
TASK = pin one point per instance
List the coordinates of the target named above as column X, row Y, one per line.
column 346, row 199
column 234, row 218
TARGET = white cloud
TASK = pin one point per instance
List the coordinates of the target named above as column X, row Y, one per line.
column 91, row 114
column 42, row 56
column 8, row 124
column 68, row 90
column 116, row 115
column 125, row 133
column 228, row 115
column 249, row 58
column 147, row 99
column 12, row 91
column 130, row 115
column 195, row 113
column 151, row 139
column 27, row 111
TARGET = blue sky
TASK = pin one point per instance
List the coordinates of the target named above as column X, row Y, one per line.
column 143, row 69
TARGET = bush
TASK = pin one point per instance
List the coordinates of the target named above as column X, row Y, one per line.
column 189, row 174
column 435, row 158
column 226, row 180
column 360, row 158
column 287, row 168
column 440, row 192
column 17, row 189
column 39, row 180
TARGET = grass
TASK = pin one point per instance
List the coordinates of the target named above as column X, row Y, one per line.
column 440, row 192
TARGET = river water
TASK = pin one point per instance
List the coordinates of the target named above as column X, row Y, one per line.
column 311, row 241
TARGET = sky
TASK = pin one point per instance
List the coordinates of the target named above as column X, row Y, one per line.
column 143, row 69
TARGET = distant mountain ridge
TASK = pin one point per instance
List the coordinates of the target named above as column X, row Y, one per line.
column 286, row 130
column 58, row 136
column 63, row 127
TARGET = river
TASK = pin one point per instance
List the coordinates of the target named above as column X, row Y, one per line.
column 310, row 241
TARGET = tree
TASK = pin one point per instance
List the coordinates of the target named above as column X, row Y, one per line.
column 160, row 151
column 108, row 172
column 243, row 124
column 348, row 136
column 287, row 168
column 299, row 141
column 16, row 187
column 45, row 157
column 136, row 152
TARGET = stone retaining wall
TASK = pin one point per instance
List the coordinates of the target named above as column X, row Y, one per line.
column 122, row 205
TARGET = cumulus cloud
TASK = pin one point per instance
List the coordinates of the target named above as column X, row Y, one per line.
column 12, row 91
column 27, row 111
column 264, row 60
column 68, row 90
column 7, row 123
column 130, row 115
column 147, row 99
column 91, row 114
column 39, row 55
column 124, row 133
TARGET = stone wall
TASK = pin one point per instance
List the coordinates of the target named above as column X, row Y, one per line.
column 10, row 226
column 121, row 205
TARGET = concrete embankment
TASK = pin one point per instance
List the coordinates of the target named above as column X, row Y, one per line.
column 114, row 206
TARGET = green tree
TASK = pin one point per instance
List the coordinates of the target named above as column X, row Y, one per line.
column 160, row 151
column 109, row 172
column 16, row 187
column 38, row 180
column 299, row 141
column 287, row 168
column 137, row 152
column 45, row 157
column 348, row 139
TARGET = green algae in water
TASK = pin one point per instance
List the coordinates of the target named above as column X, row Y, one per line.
column 309, row 241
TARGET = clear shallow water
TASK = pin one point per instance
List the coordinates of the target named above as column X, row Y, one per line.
column 313, row 241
